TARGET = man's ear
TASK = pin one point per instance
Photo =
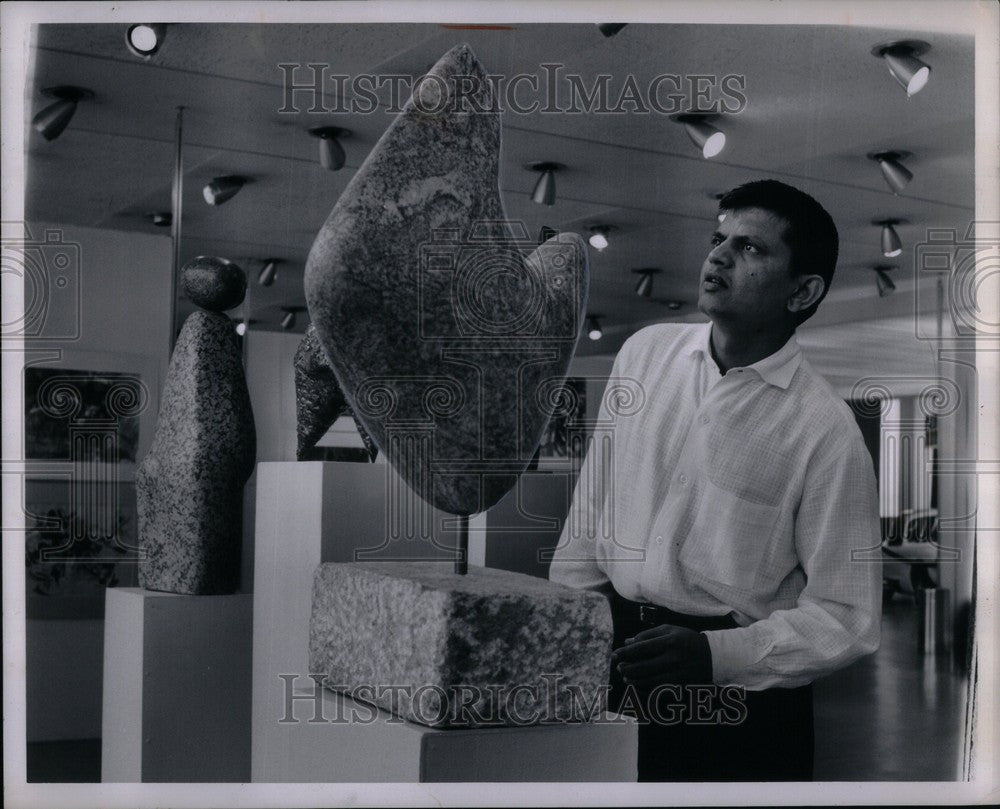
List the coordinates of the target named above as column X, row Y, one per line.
column 809, row 290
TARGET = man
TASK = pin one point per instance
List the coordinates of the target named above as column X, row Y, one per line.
column 720, row 507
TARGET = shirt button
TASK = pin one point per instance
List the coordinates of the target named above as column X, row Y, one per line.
column 703, row 418
column 659, row 540
column 683, row 479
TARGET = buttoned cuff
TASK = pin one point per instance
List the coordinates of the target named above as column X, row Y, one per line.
column 733, row 652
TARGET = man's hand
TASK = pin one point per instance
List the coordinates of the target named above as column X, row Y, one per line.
column 664, row 655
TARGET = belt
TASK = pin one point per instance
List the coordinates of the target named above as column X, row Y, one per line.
column 654, row 615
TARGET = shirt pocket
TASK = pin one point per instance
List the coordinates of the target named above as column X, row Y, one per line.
column 731, row 541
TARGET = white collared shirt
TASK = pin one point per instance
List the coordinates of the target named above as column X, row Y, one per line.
column 744, row 494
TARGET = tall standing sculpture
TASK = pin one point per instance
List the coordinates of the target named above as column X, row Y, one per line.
column 190, row 484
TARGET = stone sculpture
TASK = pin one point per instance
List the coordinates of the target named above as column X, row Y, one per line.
column 319, row 402
column 189, row 486
column 489, row 648
column 449, row 344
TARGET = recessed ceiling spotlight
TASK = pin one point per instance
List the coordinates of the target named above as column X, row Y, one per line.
column 269, row 272
column 144, row 39
column 645, row 286
column 331, row 154
column 882, row 280
column 222, row 189
column 891, row 244
column 594, row 327
column 901, row 58
column 895, row 173
column 599, row 236
column 545, row 189
column 711, row 140
column 52, row 120
column 162, row 219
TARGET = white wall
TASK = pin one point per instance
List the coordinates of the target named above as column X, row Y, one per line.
column 113, row 314
column 271, row 380
column 124, row 292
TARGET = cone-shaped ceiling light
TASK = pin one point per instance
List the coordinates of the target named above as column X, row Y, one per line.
column 609, row 29
column 710, row 139
column 268, row 273
column 222, row 189
column 162, row 219
column 644, row 288
column 52, row 120
column 545, row 189
column 901, row 59
column 331, row 154
column 891, row 244
column 895, row 173
column 883, row 281
column 594, row 327
column 291, row 316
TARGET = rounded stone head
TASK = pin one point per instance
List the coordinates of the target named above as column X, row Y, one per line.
column 214, row 283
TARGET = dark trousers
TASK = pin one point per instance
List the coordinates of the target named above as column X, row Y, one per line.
column 711, row 733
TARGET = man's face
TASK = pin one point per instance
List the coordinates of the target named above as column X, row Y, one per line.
column 746, row 278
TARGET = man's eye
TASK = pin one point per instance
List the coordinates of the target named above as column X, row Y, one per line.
column 716, row 241
column 750, row 248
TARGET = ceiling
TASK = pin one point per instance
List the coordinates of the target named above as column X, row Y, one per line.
column 816, row 102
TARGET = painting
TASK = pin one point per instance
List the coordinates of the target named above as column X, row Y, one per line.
column 82, row 430
column 567, row 420
column 80, row 538
column 82, row 415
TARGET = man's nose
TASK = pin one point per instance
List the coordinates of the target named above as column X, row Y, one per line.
column 720, row 255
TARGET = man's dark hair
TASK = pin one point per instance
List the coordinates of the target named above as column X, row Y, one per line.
column 810, row 234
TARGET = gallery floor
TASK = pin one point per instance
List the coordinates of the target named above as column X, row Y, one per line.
column 895, row 716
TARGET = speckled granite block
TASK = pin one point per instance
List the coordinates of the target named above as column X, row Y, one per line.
column 490, row 648
column 189, row 487
column 319, row 402
column 449, row 330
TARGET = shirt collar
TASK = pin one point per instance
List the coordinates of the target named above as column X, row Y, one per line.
column 777, row 369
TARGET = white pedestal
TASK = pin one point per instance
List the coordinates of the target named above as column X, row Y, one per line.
column 176, row 687
column 341, row 740
column 312, row 512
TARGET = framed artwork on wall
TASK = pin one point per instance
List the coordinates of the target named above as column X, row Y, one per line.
column 567, row 418
column 88, row 420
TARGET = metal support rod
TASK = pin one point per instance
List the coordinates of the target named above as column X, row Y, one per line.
column 246, row 323
column 176, row 201
column 462, row 551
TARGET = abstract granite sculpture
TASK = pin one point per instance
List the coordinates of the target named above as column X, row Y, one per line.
column 451, row 347
column 319, row 401
column 449, row 344
column 189, row 486
column 489, row 648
